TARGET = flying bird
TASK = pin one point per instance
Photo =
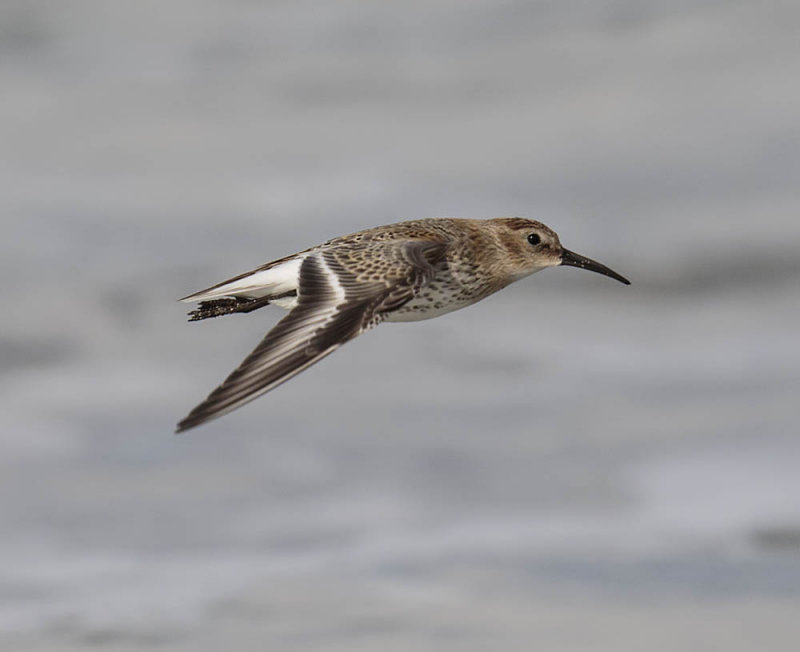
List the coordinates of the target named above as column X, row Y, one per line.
column 407, row 271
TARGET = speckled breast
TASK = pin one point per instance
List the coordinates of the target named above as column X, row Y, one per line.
column 454, row 286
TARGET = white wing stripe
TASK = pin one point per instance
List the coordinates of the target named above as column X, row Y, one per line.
column 303, row 331
column 333, row 281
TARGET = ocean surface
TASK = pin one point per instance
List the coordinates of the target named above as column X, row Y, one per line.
column 569, row 465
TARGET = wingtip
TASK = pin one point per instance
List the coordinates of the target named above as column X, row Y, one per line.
column 187, row 423
column 197, row 417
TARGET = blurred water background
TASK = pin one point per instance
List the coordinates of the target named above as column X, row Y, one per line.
column 569, row 465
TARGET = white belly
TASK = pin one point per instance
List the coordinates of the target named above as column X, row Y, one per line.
column 428, row 307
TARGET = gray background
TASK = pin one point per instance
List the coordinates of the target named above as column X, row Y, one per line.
column 569, row 465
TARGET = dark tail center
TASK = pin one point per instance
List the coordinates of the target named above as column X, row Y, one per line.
column 230, row 305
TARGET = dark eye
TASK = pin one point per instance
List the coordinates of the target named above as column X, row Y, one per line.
column 534, row 239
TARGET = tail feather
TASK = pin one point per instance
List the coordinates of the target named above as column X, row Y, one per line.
column 227, row 306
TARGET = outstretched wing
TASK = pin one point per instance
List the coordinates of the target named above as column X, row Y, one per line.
column 341, row 294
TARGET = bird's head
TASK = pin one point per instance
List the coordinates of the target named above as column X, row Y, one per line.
column 531, row 246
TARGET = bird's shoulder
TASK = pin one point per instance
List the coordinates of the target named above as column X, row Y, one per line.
column 386, row 254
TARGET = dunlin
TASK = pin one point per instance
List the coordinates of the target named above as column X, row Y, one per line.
column 400, row 272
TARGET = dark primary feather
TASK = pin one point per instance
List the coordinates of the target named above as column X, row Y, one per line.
column 321, row 322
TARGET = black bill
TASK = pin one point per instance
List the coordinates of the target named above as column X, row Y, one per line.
column 571, row 259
